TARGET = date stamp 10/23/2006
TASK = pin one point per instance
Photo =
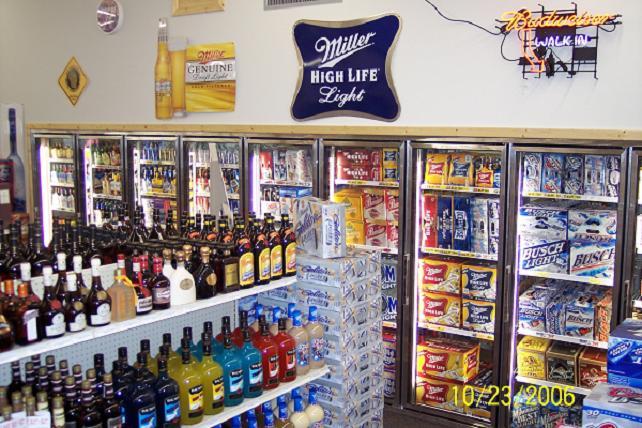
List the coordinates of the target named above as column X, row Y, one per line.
column 530, row 395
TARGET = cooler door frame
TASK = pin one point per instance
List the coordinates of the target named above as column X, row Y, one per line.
column 249, row 142
column 510, row 257
column 629, row 278
column 80, row 138
column 402, row 258
column 129, row 164
column 414, row 176
column 215, row 139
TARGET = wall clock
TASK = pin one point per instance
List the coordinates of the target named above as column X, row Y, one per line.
column 109, row 16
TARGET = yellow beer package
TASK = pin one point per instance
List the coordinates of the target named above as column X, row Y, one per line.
column 355, row 232
column 437, row 168
column 478, row 315
column 481, row 394
column 531, row 357
column 448, row 359
column 352, row 198
column 440, row 275
column 440, row 393
column 461, row 169
column 210, row 77
column 440, row 308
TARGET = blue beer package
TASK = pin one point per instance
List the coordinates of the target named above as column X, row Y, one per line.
column 612, row 176
column 445, row 222
column 552, row 171
column 462, row 224
column 574, row 174
column 594, row 175
column 624, row 357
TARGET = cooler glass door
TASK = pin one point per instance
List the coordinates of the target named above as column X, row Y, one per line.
column 57, row 175
column 153, row 164
column 103, row 177
column 455, row 294
column 567, row 220
column 214, row 175
column 279, row 171
column 631, row 304
column 369, row 180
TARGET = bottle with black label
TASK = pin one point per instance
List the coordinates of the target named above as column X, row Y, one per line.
column 168, row 407
column 141, row 406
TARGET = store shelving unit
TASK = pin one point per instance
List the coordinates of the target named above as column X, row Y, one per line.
column 457, row 253
column 568, row 339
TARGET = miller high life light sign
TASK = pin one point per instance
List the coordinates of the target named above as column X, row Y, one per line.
column 557, row 40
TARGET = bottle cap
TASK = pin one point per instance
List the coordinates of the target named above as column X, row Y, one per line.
column 262, row 320
column 276, row 314
column 95, row 263
column 247, row 336
column 282, row 323
column 145, row 345
column 107, row 378
column 187, row 332
column 296, row 318
column 180, row 256
column 122, row 352
column 187, row 249
column 25, row 271
column 167, row 254
column 312, row 316
column 291, row 307
column 162, row 363
column 70, row 381
column 298, row 404
column 167, row 339
column 205, row 251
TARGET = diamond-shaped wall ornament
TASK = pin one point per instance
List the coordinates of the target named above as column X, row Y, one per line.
column 73, row 80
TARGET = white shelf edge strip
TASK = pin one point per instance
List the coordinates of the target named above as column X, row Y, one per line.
column 569, row 339
column 70, row 339
column 571, row 388
column 251, row 403
column 575, row 278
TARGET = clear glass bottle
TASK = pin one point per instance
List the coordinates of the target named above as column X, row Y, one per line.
column 183, row 288
column 123, row 298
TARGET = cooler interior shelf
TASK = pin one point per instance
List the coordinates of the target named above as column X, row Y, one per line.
column 607, row 282
column 392, row 184
column 460, row 189
column 457, row 331
column 571, row 197
column 561, row 338
column 457, row 253
column 569, row 388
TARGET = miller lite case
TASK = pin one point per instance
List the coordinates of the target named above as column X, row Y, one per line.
column 574, row 174
column 440, row 308
column 462, row 227
column 478, row 282
column 445, row 222
column 552, row 170
column 531, row 172
column 437, row 168
column 594, row 175
column 478, row 315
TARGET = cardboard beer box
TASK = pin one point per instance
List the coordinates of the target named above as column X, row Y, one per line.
column 337, row 272
column 355, row 232
column 461, row 170
column 429, row 220
column 592, row 368
column 265, row 158
column 562, row 363
column 574, row 174
column 437, row 168
column 352, row 157
column 320, row 227
column 612, row 176
column 603, row 315
column 579, row 318
column 478, row 315
column 376, row 233
column 543, row 255
column 493, row 226
column 390, row 351
column 593, row 259
column 448, row 359
column 390, row 165
column 594, row 175
column 441, row 393
column 462, row 224
column 392, row 204
column 612, row 406
column 531, row 172
column 392, row 234
column 445, row 222
column 440, row 308
column 539, row 221
column 479, row 219
column 592, row 225
column 624, row 357
column 479, row 282
column 552, row 170
column 440, row 275
column 482, row 394
column 531, row 357
column 532, row 307
column 374, row 204
column 279, row 164
column 357, row 172
column 354, row 204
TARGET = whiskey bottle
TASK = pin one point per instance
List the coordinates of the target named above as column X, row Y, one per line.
column 75, row 317
column 80, row 282
column 204, row 276
column 72, row 412
column 51, row 311
column 288, row 240
column 143, row 294
column 98, row 301
column 167, row 398
column 226, row 268
column 40, row 256
column 90, row 417
column 27, row 318
column 157, row 231
column 123, row 297
column 261, row 249
column 276, row 249
column 160, row 287
column 170, row 229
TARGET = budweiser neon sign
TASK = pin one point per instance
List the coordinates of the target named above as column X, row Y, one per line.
column 524, row 20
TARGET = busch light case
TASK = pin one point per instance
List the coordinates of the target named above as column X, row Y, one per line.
column 574, row 174
column 543, row 244
column 552, row 171
column 389, row 288
column 320, row 227
column 624, row 357
column 462, row 224
column 445, row 222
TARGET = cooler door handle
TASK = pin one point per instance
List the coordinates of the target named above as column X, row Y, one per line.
column 406, row 264
column 629, row 300
column 508, row 270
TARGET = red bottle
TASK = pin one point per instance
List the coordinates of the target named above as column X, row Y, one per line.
column 270, row 357
column 144, row 295
column 237, row 334
column 287, row 354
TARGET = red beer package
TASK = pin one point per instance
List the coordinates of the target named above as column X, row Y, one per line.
column 374, row 204
column 440, row 308
column 392, row 204
column 440, row 275
column 265, row 158
column 356, row 157
column 359, row 172
column 440, row 393
column 448, row 359
column 392, row 234
column 428, row 220
column 376, row 234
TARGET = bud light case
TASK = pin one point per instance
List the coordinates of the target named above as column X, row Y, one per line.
column 445, row 222
column 574, row 174
column 624, row 357
column 462, row 224
column 612, row 406
column 531, row 172
column 552, row 171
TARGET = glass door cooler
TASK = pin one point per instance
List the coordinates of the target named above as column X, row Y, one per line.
column 103, row 173
column 455, row 280
column 567, row 215
column 631, row 305
column 152, row 164
column 57, row 174
column 367, row 177
column 214, row 168
column 279, row 171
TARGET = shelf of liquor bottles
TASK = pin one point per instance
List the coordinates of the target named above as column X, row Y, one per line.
column 91, row 333
column 252, row 403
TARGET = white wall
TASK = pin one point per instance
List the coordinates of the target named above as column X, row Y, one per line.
column 445, row 73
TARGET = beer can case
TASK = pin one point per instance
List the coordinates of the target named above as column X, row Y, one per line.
column 448, row 359
column 390, row 165
column 480, row 238
column 543, row 222
column 429, row 220
column 613, row 176
column 280, row 165
column 445, row 222
column 543, row 255
column 562, row 363
column 592, row 225
column 462, row 224
column 355, row 232
column 392, row 204
column 374, row 204
column 531, row 357
column 624, row 356
column 437, row 168
column 552, row 171
column 265, row 158
column 440, row 275
column 592, row 368
column 531, row 172
column 390, row 352
column 392, row 234
column 611, row 406
column 353, row 201
column 479, row 282
column 376, row 234
column 480, row 404
column 574, row 174
column 440, row 393
column 320, row 227
column 352, row 157
column 440, row 308
column 593, row 259
column 478, row 315
column 594, row 175
column 461, row 169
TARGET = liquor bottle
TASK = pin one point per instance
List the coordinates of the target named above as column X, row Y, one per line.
column 168, row 409
column 217, row 343
column 191, row 388
column 99, row 367
column 288, row 240
column 287, row 354
column 193, row 232
column 156, row 231
column 184, row 224
column 193, row 349
column 61, row 289
column 170, row 229
column 56, row 387
column 90, row 417
column 72, row 412
column 98, row 301
column 141, row 407
column 225, row 236
column 183, row 289
column 57, row 413
column 212, row 377
column 168, row 269
column 75, row 249
column 276, row 249
column 270, row 357
column 40, row 256
column 6, row 332
column 142, row 368
column 261, row 249
column 300, row 336
column 207, row 233
column 259, row 318
column 16, row 379
column 80, row 282
column 269, row 420
column 232, row 371
column 252, row 367
column 209, row 329
column 204, row 276
column 317, row 341
column 27, row 319
column 189, row 260
column 19, row 196
column 76, row 371
column 143, row 294
column 50, row 364
column 159, row 285
column 299, row 418
column 276, row 316
column 162, row 74
column 237, row 334
column 15, row 257
column 226, row 268
column 123, row 297
column 174, row 360
column 246, row 258
column 111, row 415
column 52, row 317
column 198, row 224
column 75, row 312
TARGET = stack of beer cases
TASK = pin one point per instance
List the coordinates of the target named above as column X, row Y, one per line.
column 347, row 292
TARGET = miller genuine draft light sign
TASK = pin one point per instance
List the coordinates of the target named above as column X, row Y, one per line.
column 210, row 77
column 345, row 68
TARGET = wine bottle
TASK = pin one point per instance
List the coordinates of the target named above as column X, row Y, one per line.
column 98, row 301
column 51, row 310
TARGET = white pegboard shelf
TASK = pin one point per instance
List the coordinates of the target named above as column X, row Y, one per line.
column 71, row 339
column 247, row 404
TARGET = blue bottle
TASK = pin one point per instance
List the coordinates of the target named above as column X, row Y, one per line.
column 252, row 422
column 232, row 371
column 235, row 422
column 252, row 367
column 141, row 408
column 207, row 328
